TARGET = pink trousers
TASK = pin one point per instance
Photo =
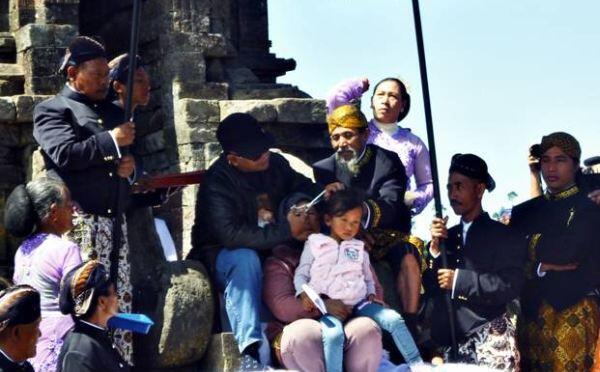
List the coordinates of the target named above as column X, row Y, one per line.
column 302, row 346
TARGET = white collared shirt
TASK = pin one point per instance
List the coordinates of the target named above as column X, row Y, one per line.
column 93, row 325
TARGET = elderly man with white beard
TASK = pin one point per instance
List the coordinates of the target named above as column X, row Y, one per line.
column 386, row 220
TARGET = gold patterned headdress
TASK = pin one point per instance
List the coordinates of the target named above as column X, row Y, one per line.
column 564, row 141
column 346, row 116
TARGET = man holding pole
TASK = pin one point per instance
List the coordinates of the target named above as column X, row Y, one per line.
column 484, row 274
column 83, row 141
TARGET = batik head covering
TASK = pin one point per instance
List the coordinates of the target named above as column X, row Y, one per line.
column 119, row 67
column 473, row 167
column 346, row 116
column 19, row 304
column 81, row 286
column 564, row 141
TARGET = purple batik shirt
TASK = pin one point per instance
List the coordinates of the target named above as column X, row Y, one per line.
column 410, row 149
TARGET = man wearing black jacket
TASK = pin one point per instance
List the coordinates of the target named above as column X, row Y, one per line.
column 484, row 274
column 228, row 234
column 379, row 173
column 84, row 143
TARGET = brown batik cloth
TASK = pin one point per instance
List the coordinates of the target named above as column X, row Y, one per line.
column 94, row 235
column 560, row 340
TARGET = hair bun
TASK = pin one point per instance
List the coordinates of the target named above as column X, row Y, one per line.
column 19, row 215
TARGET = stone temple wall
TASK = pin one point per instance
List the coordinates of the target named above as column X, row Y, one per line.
column 206, row 59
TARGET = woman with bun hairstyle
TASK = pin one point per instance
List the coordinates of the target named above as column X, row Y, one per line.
column 88, row 294
column 41, row 212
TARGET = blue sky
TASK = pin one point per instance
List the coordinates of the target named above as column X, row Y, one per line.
column 501, row 73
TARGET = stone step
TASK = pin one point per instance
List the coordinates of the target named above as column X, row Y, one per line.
column 8, row 51
column 11, row 79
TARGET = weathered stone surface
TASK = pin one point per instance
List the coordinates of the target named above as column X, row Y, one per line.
column 176, row 295
column 41, row 61
column 240, row 75
column 183, row 318
column 60, row 13
column 207, row 91
column 11, row 87
column 212, row 151
column 294, row 110
column 7, row 47
column 45, row 36
column 10, row 71
column 263, row 110
column 196, row 120
column 265, row 92
column 8, row 112
column 25, row 105
column 222, row 354
column 43, row 84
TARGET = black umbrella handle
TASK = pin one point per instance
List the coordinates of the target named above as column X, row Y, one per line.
column 433, row 160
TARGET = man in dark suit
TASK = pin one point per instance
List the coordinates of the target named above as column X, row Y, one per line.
column 20, row 317
column 83, row 142
column 386, row 219
column 484, row 273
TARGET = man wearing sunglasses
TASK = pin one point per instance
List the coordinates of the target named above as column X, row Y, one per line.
column 226, row 233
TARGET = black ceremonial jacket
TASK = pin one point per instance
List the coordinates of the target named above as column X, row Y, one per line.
column 490, row 275
column 560, row 229
column 89, row 349
column 7, row 365
column 383, row 178
column 72, row 132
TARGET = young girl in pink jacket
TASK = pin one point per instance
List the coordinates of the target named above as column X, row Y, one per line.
column 337, row 266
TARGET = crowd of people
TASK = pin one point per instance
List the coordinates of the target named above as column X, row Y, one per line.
column 297, row 263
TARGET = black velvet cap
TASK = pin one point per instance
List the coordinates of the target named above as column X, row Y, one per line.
column 474, row 167
column 82, row 49
column 19, row 304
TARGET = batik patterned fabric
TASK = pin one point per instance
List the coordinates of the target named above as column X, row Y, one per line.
column 596, row 366
column 493, row 346
column 561, row 341
column 94, row 235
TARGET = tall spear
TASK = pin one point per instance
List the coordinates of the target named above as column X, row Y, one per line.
column 432, row 155
column 133, row 50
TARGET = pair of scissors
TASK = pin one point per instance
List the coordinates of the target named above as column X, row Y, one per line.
column 304, row 208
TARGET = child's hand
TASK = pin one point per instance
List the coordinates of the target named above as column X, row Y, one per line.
column 372, row 298
column 307, row 304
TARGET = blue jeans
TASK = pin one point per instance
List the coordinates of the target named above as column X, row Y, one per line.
column 239, row 274
column 388, row 319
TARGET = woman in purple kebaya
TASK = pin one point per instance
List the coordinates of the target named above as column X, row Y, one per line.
column 390, row 103
column 42, row 211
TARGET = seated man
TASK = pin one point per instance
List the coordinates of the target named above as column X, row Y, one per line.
column 484, row 273
column 381, row 176
column 227, row 235
column 20, row 317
